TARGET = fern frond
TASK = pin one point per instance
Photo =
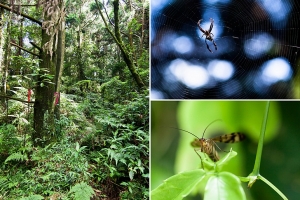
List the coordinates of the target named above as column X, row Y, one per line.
column 3, row 184
column 82, row 191
column 17, row 157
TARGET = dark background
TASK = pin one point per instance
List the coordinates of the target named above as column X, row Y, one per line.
column 239, row 21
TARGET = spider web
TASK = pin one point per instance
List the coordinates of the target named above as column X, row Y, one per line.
column 257, row 57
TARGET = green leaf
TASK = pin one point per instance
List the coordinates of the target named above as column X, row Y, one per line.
column 178, row 186
column 82, row 191
column 209, row 165
column 223, row 186
column 131, row 173
column 224, row 160
column 77, row 146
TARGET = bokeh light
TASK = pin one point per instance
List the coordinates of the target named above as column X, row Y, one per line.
column 191, row 75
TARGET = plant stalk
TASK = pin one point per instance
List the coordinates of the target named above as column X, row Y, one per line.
column 256, row 168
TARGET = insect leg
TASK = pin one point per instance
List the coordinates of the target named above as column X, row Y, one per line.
column 200, row 158
column 220, row 148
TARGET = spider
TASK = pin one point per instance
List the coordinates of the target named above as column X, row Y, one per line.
column 208, row 34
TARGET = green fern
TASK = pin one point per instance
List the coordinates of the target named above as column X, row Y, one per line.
column 17, row 157
column 33, row 197
column 82, row 191
column 3, row 184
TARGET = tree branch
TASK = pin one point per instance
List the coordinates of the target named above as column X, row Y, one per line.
column 118, row 40
column 16, row 99
column 105, row 23
column 36, row 46
column 24, row 49
column 114, row 24
column 22, row 14
column 22, row 5
column 107, row 15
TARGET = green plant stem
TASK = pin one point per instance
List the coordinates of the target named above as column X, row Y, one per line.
column 272, row 186
column 254, row 175
column 256, row 168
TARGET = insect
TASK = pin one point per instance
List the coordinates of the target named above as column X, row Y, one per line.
column 207, row 146
column 208, row 34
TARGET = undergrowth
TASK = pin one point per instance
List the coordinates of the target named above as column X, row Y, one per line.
column 101, row 152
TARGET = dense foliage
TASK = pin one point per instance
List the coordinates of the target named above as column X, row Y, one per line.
column 101, row 143
column 97, row 144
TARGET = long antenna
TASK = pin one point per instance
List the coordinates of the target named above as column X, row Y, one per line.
column 209, row 125
column 186, row 131
column 193, row 133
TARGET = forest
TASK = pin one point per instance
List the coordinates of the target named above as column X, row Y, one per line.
column 74, row 99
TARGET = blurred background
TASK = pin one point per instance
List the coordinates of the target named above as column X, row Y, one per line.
column 257, row 56
column 171, row 152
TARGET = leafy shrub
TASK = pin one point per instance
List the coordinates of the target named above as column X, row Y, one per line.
column 104, row 144
column 47, row 170
column 125, row 163
column 9, row 140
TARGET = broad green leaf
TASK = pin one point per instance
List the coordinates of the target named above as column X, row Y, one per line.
column 224, row 186
column 224, row 160
column 131, row 174
column 178, row 186
column 77, row 146
column 209, row 165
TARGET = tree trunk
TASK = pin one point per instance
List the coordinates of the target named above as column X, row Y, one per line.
column 20, row 38
column 142, row 30
column 80, row 62
column 2, row 68
column 44, row 100
column 6, row 62
column 60, row 54
column 47, row 94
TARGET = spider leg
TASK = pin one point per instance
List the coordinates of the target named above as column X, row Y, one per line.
column 207, row 46
column 211, row 25
column 200, row 28
column 214, row 44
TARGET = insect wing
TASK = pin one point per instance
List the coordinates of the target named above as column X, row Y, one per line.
column 230, row 138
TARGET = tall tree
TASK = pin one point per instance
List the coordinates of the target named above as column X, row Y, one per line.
column 52, row 56
column 4, row 57
column 126, row 53
column 51, row 64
